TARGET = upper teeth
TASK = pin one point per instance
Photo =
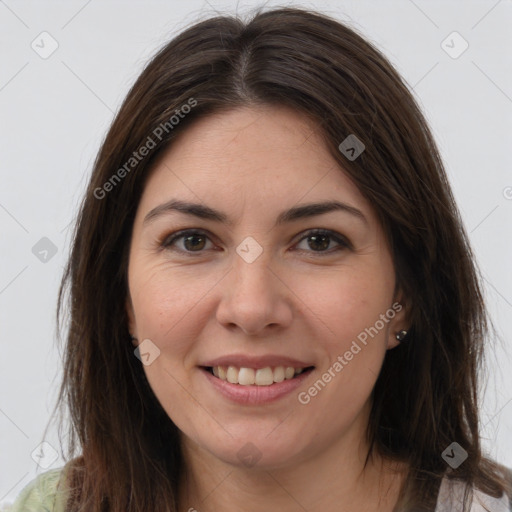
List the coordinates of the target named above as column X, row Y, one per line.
column 250, row 376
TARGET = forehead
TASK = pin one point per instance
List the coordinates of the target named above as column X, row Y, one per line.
column 262, row 155
column 251, row 136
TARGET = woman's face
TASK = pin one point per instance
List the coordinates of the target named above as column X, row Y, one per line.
column 254, row 287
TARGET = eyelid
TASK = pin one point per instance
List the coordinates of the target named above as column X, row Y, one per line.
column 167, row 240
column 342, row 241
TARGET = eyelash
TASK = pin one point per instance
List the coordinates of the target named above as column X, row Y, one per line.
column 169, row 240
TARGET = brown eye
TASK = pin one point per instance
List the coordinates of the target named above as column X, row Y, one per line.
column 189, row 241
column 194, row 242
column 320, row 241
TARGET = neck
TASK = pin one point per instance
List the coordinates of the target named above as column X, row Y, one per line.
column 335, row 479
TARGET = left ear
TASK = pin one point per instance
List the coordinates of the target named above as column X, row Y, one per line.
column 400, row 321
column 132, row 326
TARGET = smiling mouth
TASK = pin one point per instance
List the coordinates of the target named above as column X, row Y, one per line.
column 256, row 377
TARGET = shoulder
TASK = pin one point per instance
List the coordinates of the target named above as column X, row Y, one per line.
column 451, row 495
column 43, row 493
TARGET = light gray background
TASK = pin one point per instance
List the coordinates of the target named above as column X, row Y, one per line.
column 54, row 113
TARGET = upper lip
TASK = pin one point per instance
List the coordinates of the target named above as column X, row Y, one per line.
column 245, row 361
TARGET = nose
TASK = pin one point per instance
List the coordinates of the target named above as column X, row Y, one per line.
column 254, row 298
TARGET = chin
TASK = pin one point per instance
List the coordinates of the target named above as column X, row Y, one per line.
column 256, row 452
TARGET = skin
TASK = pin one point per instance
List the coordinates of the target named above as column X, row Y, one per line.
column 295, row 299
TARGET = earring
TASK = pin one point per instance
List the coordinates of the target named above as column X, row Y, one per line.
column 132, row 337
column 401, row 335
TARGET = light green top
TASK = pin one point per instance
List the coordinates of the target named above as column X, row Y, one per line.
column 41, row 495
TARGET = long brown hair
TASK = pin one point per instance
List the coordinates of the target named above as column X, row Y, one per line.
column 123, row 450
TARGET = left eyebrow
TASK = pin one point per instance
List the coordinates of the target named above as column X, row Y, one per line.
column 296, row 213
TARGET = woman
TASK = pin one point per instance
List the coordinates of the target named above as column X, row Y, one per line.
column 274, row 305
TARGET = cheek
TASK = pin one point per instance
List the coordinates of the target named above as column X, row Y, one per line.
column 167, row 307
column 166, row 303
column 346, row 303
column 350, row 308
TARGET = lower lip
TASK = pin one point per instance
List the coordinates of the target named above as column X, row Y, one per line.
column 254, row 395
